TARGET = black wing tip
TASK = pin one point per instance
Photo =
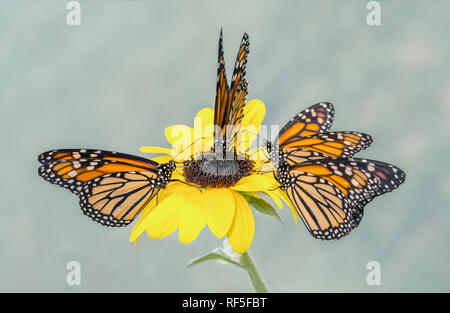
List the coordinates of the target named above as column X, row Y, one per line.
column 45, row 157
column 393, row 175
column 333, row 233
column 325, row 104
column 365, row 138
column 328, row 106
column 41, row 158
column 400, row 173
column 368, row 138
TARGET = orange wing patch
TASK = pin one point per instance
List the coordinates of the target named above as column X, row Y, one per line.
column 116, row 200
column 332, row 144
column 330, row 194
column 72, row 168
column 313, row 120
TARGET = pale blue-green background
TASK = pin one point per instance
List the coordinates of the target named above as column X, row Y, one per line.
column 134, row 67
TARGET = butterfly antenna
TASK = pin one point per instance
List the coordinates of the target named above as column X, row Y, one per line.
column 259, row 137
column 188, row 183
column 188, row 147
column 257, row 150
column 260, row 171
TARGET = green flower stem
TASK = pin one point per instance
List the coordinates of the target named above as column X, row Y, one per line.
column 244, row 261
column 255, row 277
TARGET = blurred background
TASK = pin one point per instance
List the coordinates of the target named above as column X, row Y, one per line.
column 133, row 68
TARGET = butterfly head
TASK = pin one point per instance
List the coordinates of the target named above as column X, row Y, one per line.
column 171, row 165
column 165, row 173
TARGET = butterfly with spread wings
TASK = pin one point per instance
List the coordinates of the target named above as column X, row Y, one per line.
column 113, row 187
column 230, row 101
column 326, row 185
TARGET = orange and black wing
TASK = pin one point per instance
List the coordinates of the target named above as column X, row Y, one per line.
column 329, row 195
column 113, row 187
column 222, row 108
column 71, row 168
column 238, row 89
column 313, row 120
column 323, row 145
column 116, row 199
column 230, row 101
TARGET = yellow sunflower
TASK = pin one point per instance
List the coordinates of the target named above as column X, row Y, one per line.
column 189, row 208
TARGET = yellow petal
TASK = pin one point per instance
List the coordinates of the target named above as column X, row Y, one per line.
column 139, row 227
column 163, row 220
column 262, row 159
column 275, row 197
column 245, row 138
column 153, row 149
column 218, row 210
column 206, row 116
column 162, row 159
column 177, row 174
column 242, row 230
column 172, row 187
column 160, row 221
column 285, row 197
column 204, row 128
column 255, row 183
column 181, row 137
column 191, row 217
column 254, row 112
column 208, row 138
column 202, row 137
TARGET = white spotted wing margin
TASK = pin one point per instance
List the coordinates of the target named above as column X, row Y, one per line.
column 321, row 113
column 116, row 199
column 330, row 194
column 65, row 167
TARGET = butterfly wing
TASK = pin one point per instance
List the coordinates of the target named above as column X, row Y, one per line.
column 113, row 187
column 239, row 85
column 221, row 109
column 323, row 145
column 71, row 168
column 330, row 194
column 313, row 120
column 238, row 94
column 230, row 102
column 116, row 199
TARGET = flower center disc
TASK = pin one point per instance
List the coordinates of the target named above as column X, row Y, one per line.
column 213, row 172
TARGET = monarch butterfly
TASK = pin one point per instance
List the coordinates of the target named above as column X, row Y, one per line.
column 221, row 166
column 326, row 185
column 230, row 102
column 113, row 187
